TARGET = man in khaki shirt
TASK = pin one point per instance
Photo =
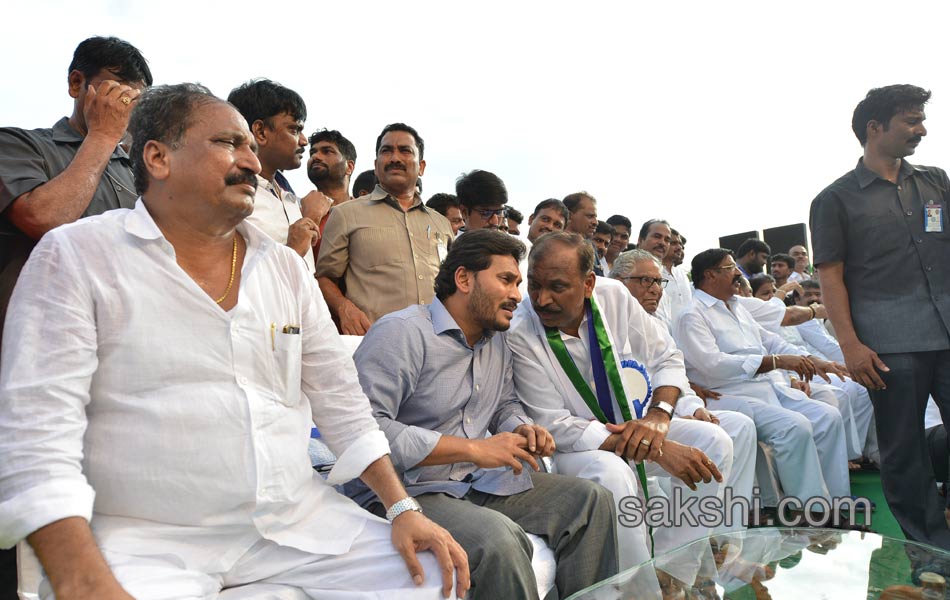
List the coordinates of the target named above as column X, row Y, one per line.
column 384, row 248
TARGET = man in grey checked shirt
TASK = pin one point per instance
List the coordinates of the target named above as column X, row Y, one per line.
column 439, row 380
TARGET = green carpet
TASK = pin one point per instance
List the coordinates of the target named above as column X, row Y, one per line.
column 868, row 485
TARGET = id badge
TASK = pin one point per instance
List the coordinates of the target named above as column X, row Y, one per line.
column 933, row 218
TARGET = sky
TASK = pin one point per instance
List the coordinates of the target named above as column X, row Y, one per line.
column 720, row 117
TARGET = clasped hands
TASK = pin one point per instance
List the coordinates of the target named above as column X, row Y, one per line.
column 525, row 443
column 690, row 465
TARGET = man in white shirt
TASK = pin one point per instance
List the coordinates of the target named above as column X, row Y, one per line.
column 656, row 237
column 605, row 437
column 276, row 116
column 727, row 351
column 800, row 254
column 185, row 357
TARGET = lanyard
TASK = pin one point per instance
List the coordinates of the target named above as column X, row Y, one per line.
column 604, row 366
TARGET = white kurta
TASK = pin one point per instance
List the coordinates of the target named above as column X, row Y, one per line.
column 676, row 296
column 275, row 210
column 724, row 347
column 551, row 400
column 128, row 397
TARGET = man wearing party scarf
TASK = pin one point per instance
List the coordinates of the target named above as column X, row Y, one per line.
column 572, row 334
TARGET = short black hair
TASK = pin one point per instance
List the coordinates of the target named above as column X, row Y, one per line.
column 758, row 280
column 263, row 99
column 585, row 251
column 514, row 214
column 752, row 245
column 402, row 127
column 573, row 201
column 94, row 54
column 785, row 258
column 707, row 259
column 480, row 188
column 645, row 228
column 810, row 284
column 605, row 227
column 163, row 113
column 333, row 136
column 881, row 104
column 474, row 251
column 681, row 236
column 552, row 203
column 442, row 202
column 364, row 181
column 620, row 220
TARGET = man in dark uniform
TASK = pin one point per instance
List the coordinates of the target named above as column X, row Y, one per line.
column 881, row 245
column 76, row 168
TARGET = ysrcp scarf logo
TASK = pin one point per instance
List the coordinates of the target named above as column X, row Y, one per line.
column 636, row 384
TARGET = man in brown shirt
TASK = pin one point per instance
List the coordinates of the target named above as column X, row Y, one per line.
column 386, row 247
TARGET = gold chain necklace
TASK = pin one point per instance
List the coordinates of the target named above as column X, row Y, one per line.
column 233, row 265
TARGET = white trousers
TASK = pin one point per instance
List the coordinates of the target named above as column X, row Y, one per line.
column 741, row 430
column 620, row 477
column 789, row 437
column 854, row 402
column 372, row 569
column 828, row 432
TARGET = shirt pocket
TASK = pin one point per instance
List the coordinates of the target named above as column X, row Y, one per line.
column 287, row 350
column 378, row 246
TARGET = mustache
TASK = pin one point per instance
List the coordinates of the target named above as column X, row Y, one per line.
column 915, row 140
column 512, row 306
column 243, row 176
column 737, row 279
column 395, row 166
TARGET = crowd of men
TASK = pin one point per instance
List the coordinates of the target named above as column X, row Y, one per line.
column 173, row 321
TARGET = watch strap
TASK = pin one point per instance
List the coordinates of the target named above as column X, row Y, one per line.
column 406, row 504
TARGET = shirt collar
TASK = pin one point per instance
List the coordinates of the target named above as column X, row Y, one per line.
column 380, row 195
column 139, row 222
column 866, row 176
column 63, row 133
column 705, row 298
column 443, row 322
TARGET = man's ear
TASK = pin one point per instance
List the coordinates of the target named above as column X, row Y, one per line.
column 422, row 167
column 589, row 282
column 76, row 81
column 464, row 280
column 350, row 165
column 260, row 131
column 157, row 159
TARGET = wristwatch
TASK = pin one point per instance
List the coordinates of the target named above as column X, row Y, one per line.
column 664, row 406
column 407, row 503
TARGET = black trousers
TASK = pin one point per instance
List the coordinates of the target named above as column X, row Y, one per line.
column 907, row 473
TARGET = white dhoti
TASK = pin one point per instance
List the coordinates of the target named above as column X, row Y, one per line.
column 788, row 435
column 741, row 430
column 620, row 477
column 372, row 568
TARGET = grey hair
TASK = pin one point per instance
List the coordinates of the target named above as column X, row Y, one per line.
column 626, row 261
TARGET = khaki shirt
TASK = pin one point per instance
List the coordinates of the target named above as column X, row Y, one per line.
column 387, row 258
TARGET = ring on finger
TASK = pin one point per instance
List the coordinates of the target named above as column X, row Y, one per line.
column 125, row 100
column 645, row 443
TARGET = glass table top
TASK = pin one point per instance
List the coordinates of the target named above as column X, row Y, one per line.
column 786, row 564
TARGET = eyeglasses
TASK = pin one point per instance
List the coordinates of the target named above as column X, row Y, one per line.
column 487, row 213
column 726, row 268
column 648, row 282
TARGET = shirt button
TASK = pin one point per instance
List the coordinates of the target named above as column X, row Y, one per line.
column 910, row 213
column 899, row 188
column 468, row 420
column 420, row 277
column 930, row 268
column 242, row 380
column 920, row 241
column 477, row 387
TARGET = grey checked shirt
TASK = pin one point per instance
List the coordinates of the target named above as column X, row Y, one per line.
column 423, row 381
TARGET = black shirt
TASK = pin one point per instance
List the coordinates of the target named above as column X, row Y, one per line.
column 897, row 275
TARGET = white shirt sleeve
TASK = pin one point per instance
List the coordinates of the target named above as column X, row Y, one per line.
column 714, row 367
column 51, row 321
